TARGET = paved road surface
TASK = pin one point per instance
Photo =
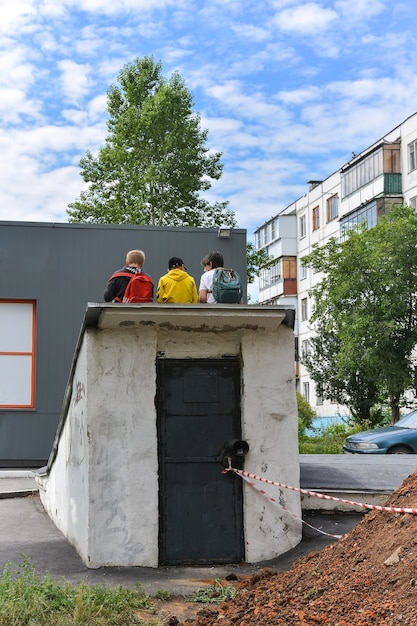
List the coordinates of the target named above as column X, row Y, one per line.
column 26, row 530
column 362, row 472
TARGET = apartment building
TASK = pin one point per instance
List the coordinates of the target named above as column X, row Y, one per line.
column 360, row 191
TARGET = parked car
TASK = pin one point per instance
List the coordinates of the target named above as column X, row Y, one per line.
column 401, row 438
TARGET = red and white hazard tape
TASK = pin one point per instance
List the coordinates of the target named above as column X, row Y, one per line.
column 274, row 501
column 323, row 496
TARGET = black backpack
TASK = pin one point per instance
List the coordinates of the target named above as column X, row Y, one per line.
column 227, row 286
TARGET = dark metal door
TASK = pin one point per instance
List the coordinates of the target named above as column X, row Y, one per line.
column 200, row 509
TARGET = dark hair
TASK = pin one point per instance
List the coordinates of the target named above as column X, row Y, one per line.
column 215, row 258
column 174, row 262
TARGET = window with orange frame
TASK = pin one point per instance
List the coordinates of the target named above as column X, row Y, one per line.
column 17, row 354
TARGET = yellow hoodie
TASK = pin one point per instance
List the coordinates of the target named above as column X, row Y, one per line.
column 177, row 287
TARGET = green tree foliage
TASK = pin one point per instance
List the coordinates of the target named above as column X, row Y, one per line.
column 365, row 317
column 155, row 162
column 256, row 260
column 306, row 414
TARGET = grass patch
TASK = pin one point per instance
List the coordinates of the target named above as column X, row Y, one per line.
column 326, row 440
column 29, row 599
column 215, row 593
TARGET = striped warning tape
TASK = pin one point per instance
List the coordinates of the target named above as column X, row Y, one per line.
column 363, row 505
column 278, row 504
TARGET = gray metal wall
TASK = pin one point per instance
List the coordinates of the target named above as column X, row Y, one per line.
column 63, row 267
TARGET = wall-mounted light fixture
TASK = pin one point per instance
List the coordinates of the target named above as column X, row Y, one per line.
column 224, row 232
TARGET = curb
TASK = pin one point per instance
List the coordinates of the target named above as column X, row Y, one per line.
column 23, row 493
column 17, row 473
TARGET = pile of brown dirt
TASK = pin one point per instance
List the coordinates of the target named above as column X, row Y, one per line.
column 369, row 576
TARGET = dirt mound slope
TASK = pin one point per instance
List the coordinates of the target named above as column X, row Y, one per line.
column 369, row 576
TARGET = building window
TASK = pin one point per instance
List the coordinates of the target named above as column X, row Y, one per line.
column 366, row 215
column 303, row 270
column 413, row 202
column 392, row 161
column 316, row 218
column 270, row 276
column 284, row 268
column 17, row 354
column 412, row 156
column 305, row 347
column 306, row 391
column 274, row 229
column 304, row 315
column 303, row 226
column 385, row 160
column 363, row 172
column 268, row 233
column 289, row 267
column 260, row 238
column 332, row 208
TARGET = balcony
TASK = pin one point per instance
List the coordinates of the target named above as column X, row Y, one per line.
column 392, row 184
column 289, row 287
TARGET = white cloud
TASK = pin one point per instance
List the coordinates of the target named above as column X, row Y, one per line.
column 15, row 69
column 300, row 96
column 43, row 196
column 96, row 108
column 14, row 14
column 306, row 19
column 251, row 187
column 286, row 88
column 233, row 97
column 111, row 7
column 359, row 10
column 14, row 104
column 251, row 32
column 74, row 79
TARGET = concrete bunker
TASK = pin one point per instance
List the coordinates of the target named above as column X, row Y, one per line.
column 135, row 477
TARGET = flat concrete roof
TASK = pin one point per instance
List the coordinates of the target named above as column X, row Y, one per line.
column 188, row 316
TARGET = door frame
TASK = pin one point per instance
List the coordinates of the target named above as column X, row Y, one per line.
column 236, row 486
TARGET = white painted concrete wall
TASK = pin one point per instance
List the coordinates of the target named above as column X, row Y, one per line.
column 103, row 495
column 102, row 486
column 64, row 492
column 270, row 424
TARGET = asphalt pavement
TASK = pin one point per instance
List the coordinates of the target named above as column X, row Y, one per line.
column 372, row 473
column 27, row 532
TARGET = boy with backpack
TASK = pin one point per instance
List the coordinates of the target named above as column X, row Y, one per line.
column 218, row 284
column 130, row 284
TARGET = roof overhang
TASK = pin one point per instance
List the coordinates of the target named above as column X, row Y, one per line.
column 203, row 317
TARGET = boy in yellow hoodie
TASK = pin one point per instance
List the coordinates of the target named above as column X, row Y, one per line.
column 177, row 286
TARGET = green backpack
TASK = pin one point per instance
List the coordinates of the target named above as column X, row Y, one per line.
column 227, row 286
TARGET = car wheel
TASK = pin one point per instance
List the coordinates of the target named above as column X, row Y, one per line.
column 400, row 450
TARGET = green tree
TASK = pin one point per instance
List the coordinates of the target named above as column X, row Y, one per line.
column 306, row 414
column 364, row 316
column 155, row 162
column 256, row 260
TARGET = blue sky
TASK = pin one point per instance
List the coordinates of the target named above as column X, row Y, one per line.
column 287, row 89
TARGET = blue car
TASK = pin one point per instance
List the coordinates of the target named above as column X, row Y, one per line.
column 401, row 438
